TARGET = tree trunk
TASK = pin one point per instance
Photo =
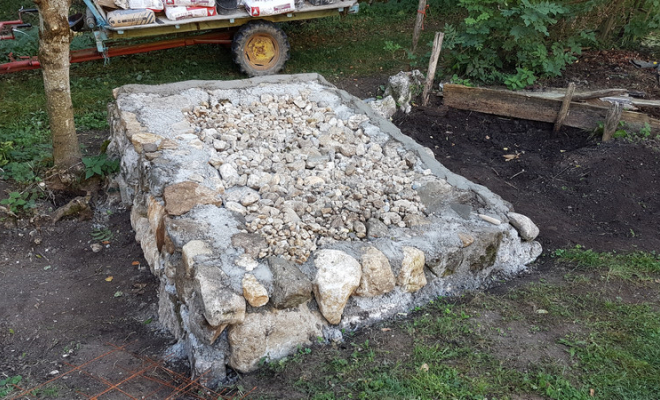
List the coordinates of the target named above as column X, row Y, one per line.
column 54, row 40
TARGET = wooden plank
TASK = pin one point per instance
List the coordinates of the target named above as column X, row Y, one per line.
column 524, row 106
column 583, row 95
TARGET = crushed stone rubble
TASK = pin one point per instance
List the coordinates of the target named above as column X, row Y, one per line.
column 304, row 178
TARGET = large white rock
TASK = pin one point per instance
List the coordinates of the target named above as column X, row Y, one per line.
column 229, row 174
column 272, row 335
column 411, row 276
column 191, row 250
column 377, row 276
column 525, row 227
column 221, row 305
column 385, row 107
column 337, row 277
column 403, row 87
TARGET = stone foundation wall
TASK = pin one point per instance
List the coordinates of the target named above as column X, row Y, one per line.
column 278, row 211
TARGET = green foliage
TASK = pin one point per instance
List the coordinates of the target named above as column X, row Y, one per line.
column 460, row 81
column 100, row 165
column 645, row 132
column 94, row 120
column 102, row 234
column 7, row 385
column 500, row 35
column 391, row 47
column 25, row 148
column 5, row 148
column 556, row 387
column 522, row 79
column 20, row 202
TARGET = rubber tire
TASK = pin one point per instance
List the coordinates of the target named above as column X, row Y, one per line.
column 243, row 45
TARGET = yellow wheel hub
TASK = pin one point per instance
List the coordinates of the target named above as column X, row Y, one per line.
column 262, row 51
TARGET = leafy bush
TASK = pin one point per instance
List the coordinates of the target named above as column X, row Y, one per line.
column 499, row 36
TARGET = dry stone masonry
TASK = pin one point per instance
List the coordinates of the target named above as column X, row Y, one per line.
column 280, row 211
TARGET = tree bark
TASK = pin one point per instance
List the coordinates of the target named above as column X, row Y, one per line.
column 54, row 40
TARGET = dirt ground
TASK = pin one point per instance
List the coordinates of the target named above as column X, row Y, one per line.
column 61, row 302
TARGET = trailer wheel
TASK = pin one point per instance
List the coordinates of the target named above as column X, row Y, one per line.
column 260, row 48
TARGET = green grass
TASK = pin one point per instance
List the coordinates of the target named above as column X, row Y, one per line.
column 602, row 319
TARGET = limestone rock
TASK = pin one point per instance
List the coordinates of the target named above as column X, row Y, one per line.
column 411, row 276
column 376, row 229
column 229, row 174
column 182, row 197
column 191, row 250
column 253, row 291
column 271, row 336
column 525, row 227
column 466, row 239
column 337, row 277
column 403, row 87
column 251, row 243
column 377, row 276
column 140, row 139
column 221, row 305
column 385, row 107
column 290, row 286
column 195, row 322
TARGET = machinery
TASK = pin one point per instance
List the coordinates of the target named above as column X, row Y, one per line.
column 258, row 44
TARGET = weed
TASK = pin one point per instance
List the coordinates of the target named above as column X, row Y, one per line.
column 100, row 165
column 645, row 132
column 20, row 202
column 93, row 120
column 7, row 384
column 460, row 81
column 391, row 47
column 102, row 234
column 520, row 80
column 47, row 392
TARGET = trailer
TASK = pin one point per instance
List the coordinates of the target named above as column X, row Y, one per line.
column 258, row 44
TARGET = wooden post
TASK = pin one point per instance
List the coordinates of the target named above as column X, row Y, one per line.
column 433, row 63
column 565, row 105
column 612, row 121
column 421, row 9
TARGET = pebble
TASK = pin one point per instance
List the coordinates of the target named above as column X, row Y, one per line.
column 315, row 176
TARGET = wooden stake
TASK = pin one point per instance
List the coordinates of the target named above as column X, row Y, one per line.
column 421, row 9
column 433, row 63
column 565, row 105
column 612, row 121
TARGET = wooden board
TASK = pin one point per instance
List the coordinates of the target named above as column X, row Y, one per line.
column 524, row 106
